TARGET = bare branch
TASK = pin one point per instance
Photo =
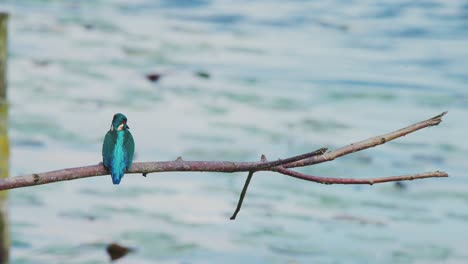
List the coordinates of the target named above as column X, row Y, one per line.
column 280, row 166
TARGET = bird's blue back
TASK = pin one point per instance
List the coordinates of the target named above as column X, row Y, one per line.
column 117, row 152
column 119, row 160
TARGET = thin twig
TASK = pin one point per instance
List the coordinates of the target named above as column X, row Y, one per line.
column 242, row 195
column 368, row 143
column 266, row 165
column 370, row 181
column 249, row 177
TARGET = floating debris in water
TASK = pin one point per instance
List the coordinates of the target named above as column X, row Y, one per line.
column 117, row 251
column 153, row 77
column 202, row 74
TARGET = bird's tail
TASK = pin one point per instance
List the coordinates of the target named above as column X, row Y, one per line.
column 116, row 178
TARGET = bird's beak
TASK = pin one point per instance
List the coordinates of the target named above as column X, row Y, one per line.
column 127, row 127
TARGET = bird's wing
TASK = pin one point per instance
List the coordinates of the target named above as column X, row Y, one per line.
column 129, row 148
column 108, row 148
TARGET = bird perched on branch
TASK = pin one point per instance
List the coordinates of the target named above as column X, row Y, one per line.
column 118, row 148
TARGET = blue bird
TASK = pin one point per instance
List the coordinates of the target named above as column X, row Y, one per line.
column 118, row 148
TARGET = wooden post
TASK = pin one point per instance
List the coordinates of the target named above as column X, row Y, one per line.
column 4, row 144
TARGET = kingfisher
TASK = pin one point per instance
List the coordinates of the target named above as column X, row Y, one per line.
column 118, row 148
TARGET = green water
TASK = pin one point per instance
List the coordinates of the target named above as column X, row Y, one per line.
column 284, row 78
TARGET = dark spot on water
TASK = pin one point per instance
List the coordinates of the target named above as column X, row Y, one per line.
column 36, row 178
column 202, row 74
column 88, row 26
column 153, row 77
column 117, row 251
column 400, row 185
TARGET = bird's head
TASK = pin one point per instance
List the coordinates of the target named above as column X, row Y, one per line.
column 119, row 122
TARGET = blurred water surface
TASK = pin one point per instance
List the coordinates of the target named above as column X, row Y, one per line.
column 285, row 77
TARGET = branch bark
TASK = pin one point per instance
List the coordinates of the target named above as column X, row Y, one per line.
column 280, row 166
